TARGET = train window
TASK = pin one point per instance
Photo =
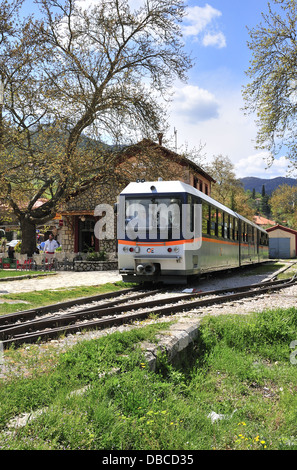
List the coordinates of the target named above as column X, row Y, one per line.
column 244, row 234
column 236, row 230
column 192, row 201
column 220, row 221
column 263, row 239
column 248, row 233
column 153, row 218
column 226, row 226
column 205, row 218
column 232, row 228
column 213, row 221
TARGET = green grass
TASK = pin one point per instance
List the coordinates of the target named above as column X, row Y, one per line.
column 241, row 368
column 4, row 273
column 265, row 268
column 51, row 296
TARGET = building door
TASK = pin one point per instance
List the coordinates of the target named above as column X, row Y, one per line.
column 86, row 237
column 279, row 248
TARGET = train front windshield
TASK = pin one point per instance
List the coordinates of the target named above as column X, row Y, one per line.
column 153, row 218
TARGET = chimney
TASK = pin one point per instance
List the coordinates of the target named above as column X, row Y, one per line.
column 160, row 137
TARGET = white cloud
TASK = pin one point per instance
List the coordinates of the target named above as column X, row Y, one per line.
column 195, row 104
column 218, row 122
column 198, row 21
column 216, row 40
column 257, row 165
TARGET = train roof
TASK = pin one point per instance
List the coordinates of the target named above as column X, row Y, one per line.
column 178, row 187
column 144, row 187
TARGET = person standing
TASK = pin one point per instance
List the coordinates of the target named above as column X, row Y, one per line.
column 51, row 245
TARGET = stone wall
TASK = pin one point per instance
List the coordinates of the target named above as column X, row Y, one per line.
column 84, row 204
column 95, row 265
column 86, row 201
column 66, row 234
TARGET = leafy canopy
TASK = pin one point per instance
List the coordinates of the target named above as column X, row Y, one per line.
column 272, row 91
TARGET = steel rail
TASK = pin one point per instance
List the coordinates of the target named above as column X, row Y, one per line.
column 27, row 315
column 50, row 322
column 66, row 324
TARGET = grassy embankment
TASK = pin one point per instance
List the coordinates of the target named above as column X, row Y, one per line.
column 243, row 369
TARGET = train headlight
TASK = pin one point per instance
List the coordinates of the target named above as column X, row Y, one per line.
column 176, row 249
column 125, row 249
column 131, row 249
column 169, row 250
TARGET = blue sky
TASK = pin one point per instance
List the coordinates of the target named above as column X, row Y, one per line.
column 207, row 109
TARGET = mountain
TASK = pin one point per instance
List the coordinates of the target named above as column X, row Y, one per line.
column 251, row 182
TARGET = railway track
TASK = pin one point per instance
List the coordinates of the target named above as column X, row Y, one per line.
column 43, row 324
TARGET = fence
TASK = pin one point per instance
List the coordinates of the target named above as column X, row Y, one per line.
column 58, row 261
column 41, row 262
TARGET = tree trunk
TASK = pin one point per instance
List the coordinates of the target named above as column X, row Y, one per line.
column 28, row 236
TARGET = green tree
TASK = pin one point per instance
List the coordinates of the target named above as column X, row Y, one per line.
column 228, row 189
column 284, row 205
column 73, row 76
column 272, row 91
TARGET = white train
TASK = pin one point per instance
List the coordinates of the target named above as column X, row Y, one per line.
column 169, row 231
